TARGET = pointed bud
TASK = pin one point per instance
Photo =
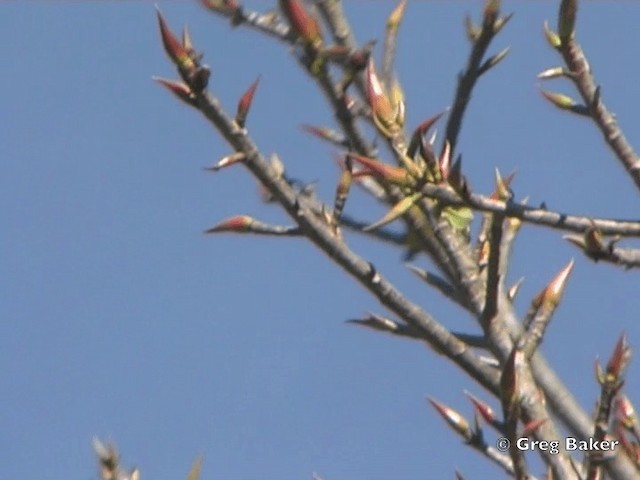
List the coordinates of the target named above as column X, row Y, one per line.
column 619, row 359
column 179, row 89
column 106, row 453
column 552, row 37
column 187, row 43
column 237, row 224
column 227, row 161
column 396, row 96
column 490, row 13
column 384, row 115
column 473, row 31
column 453, row 418
column 503, row 187
column 501, row 22
column 395, row 175
column 327, row 134
column 550, row 73
column 567, row 19
column 551, row 294
column 509, row 382
column 396, row 15
column 376, row 322
column 303, row 23
column 626, row 414
column 428, row 156
column 458, row 181
column 483, row 409
column 420, row 132
column 459, row 475
column 194, row 471
column 564, row 102
column 174, row 48
column 493, row 61
column 396, row 211
column 561, row 101
column 245, row 103
column 514, row 289
column 444, row 162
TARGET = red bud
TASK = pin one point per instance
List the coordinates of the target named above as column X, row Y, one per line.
column 245, row 103
column 301, row 21
column 174, row 47
column 239, row 224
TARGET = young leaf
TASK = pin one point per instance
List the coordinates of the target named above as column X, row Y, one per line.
column 459, row 218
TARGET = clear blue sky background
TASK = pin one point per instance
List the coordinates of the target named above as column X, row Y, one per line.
column 121, row 319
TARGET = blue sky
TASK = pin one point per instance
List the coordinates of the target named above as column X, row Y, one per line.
column 122, row 320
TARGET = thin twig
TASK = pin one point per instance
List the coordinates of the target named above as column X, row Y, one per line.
column 538, row 216
column 467, row 81
column 493, row 270
column 606, row 122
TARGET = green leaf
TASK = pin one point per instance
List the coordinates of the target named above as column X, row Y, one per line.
column 458, row 217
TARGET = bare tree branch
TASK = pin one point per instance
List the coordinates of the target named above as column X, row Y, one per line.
column 321, row 235
column 580, row 73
